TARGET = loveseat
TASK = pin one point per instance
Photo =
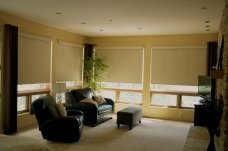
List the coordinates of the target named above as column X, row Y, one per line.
column 93, row 111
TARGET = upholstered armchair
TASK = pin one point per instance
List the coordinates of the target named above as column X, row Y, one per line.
column 95, row 112
column 53, row 125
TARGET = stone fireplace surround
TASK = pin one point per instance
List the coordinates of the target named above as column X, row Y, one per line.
column 222, row 84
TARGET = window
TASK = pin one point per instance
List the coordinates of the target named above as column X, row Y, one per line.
column 130, row 97
column 164, row 100
column 168, row 95
column 123, row 92
column 189, row 101
column 125, row 70
column 174, row 74
column 30, row 67
column 21, row 103
column 27, row 93
column 69, row 64
column 109, row 94
column 27, row 87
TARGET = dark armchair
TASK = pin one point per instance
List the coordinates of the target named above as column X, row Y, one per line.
column 93, row 114
column 53, row 127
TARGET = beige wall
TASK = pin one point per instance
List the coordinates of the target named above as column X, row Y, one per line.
column 55, row 35
column 147, row 42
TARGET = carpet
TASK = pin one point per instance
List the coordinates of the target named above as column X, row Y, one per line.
column 151, row 134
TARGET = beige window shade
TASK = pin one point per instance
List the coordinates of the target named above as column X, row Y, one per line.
column 178, row 66
column 34, row 58
column 69, row 62
column 125, row 64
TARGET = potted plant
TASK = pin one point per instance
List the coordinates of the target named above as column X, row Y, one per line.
column 94, row 72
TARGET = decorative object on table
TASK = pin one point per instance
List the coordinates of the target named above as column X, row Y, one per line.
column 56, row 91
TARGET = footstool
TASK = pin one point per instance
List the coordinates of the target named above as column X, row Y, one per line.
column 129, row 116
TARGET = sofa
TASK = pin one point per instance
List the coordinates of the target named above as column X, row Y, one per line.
column 85, row 101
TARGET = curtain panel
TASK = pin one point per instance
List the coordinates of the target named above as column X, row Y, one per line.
column 9, row 78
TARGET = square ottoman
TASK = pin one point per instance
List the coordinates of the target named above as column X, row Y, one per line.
column 129, row 116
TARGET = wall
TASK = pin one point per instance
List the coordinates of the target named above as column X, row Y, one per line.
column 147, row 42
column 24, row 25
column 222, row 84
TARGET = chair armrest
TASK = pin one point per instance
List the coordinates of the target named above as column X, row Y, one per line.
column 74, row 112
column 60, row 124
column 111, row 102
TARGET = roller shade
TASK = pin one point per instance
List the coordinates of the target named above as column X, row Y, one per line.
column 34, row 58
column 69, row 62
column 178, row 65
column 125, row 64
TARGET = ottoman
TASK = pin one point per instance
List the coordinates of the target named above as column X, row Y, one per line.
column 129, row 116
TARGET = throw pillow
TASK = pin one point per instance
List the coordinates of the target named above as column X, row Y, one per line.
column 61, row 109
column 89, row 101
column 99, row 99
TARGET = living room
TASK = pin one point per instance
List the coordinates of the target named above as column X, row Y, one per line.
column 143, row 43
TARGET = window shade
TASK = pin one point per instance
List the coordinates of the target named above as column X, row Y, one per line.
column 178, row 66
column 125, row 64
column 34, row 58
column 69, row 62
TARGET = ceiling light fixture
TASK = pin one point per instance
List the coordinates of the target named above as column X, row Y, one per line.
column 203, row 8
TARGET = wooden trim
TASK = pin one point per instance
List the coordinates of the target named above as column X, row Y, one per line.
column 188, row 93
column 32, row 92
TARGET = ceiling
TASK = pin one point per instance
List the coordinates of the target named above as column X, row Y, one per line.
column 121, row 17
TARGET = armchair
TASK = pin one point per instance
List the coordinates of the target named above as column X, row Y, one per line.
column 93, row 113
column 53, row 127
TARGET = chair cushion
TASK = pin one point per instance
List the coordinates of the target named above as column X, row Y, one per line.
column 99, row 99
column 89, row 100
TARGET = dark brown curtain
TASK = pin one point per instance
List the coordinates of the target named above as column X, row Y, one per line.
column 88, row 50
column 88, row 53
column 9, row 78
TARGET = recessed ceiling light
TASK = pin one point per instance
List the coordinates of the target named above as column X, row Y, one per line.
column 203, row 8
column 58, row 13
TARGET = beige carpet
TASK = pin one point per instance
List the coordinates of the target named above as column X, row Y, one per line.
column 150, row 135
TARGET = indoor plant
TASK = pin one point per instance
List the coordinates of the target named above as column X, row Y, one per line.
column 94, row 72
